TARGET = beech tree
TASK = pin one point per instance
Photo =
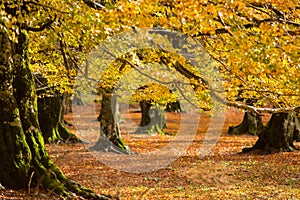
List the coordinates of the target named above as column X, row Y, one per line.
column 255, row 44
column 24, row 160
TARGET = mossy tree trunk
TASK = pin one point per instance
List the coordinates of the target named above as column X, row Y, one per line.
column 110, row 139
column 50, row 116
column 152, row 120
column 278, row 135
column 252, row 124
column 23, row 159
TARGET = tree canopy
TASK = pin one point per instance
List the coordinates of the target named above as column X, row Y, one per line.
column 255, row 44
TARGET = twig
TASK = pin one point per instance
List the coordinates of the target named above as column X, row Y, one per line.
column 29, row 183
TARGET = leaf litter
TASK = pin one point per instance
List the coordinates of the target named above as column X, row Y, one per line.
column 225, row 174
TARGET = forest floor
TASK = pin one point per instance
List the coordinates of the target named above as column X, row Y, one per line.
column 225, row 173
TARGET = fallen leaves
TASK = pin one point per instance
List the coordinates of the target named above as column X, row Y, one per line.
column 226, row 174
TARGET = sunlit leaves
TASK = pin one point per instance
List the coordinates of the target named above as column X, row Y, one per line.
column 257, row 41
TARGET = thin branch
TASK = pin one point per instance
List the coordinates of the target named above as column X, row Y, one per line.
column 88, row 78
column 186, row 98
column 259, row 9
column 62, row 47
column 256, row 23
column 256, row 110
column 29, row 183
column 42, row 26
column 227, row 68
column 269, row 92
column 46, row 6
column 45, row 88
column 95, row 5
column 268, row 6
column 289, row 22
column 176, row 83
column 135, row 67
column 226, row 26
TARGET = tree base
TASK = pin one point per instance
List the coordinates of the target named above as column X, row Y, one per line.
column 252, row 124
column 50, row 116
column 153, row 120
column 150, row 130
column 105, row 145
column 71, row 189
column 278, row 135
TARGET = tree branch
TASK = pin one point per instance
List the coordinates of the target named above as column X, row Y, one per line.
column 41, row 26
column 95, row 5
column 45, row 6
column 256, row 110
column 179, row 68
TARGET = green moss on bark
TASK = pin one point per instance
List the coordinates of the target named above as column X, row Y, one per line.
column 49, row 116
column 22, row 150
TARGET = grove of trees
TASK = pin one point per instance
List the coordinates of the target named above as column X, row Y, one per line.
column 255, row 46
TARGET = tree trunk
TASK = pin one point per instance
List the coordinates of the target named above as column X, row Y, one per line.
column 145, row 108
column 110, row 139
column 152, row 121
column 252, row 124
column 50, row 116
column 66, row 108
column 23, row 159
column 278, row 135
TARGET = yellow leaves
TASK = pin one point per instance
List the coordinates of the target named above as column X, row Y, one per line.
column 254, row 56
column 155, row 93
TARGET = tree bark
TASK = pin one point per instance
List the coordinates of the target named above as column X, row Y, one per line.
column 278, row 135
column 110, row 139
column 152, row 120
column 23, row 157
column 252, row 124
column 50, row 116
column 145, row 108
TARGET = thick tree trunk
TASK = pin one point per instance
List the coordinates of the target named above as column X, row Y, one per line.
column 110, row 139
column 152, row 121
column 278, row 135
column 23, row 159
column 252, row 124
column 145, row 108
column 50, row 116
column 15, row 153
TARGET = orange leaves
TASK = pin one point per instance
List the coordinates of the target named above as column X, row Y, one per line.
column 257, row 46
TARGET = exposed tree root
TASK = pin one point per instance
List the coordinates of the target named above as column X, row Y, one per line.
column 105, row 145
column 278, row 135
